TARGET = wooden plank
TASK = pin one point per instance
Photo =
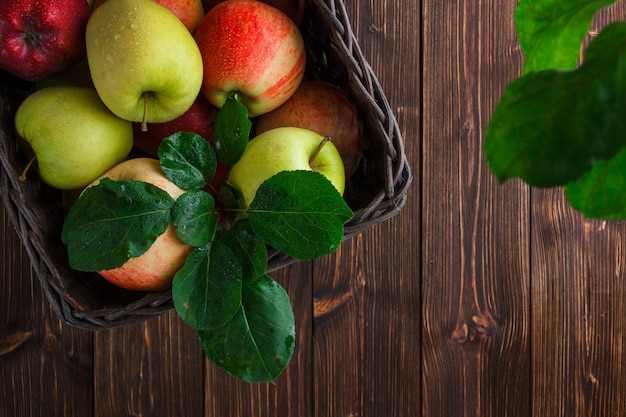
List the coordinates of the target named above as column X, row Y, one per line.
column 578, row 303
column 151, row 368
column 578, row 311
column 39, row 357
column 475, row 270
column 290, row 396
column 367, row 294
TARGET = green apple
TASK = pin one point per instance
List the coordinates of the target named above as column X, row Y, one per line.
column 74, row 136
column 285, row 149
column 144, row 62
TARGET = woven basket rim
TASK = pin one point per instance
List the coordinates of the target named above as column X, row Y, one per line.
column 25, row 201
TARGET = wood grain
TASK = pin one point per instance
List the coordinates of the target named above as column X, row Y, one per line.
column 367, row 295
column 46, row 368
column 149, row 369
column 475, row 258
column 578, row 305
column 479, row 299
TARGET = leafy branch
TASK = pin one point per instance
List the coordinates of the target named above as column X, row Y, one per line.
column 243, row 318
column 561, row 124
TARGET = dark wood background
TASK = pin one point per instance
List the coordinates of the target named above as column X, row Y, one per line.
column 479, row 299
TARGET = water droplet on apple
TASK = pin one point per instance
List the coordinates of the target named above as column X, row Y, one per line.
column 117, row 37
column 109, row 58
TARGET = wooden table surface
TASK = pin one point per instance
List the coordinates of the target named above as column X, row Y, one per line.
column 478, row 299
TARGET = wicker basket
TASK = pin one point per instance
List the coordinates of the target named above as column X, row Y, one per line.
column 375, row 192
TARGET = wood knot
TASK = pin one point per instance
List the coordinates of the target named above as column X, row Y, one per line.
column 11, row 339
column 328, row 304
column 480, row 327
column 374, row 28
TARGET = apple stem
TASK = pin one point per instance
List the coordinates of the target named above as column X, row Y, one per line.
column 319, row 149
column 144, row 121
column 28, row 165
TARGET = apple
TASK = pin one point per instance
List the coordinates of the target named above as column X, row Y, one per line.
column 155, row 269
column 253, row 49
column 144, row 63
column 77, row 75
column 285, row 149
column 199, row 119
column 41, row 38
column 292, row 8
column 73, row 135
column 190, row 12
column 327, row 110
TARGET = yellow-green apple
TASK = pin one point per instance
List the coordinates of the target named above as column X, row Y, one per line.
column 144, row 63
column 253, row 49
column 155, row 268
column 327, row 110
column 73, row 135
column 41, row 38
column 190, row 12
column 292, row 8
column 285, row 149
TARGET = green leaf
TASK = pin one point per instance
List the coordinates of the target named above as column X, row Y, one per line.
column 550, row 127
column 114, row 221
column 231, row 131
column 300, row 213
column 194, row 218
column 551, row 32
column 187, row 160
column 601, row 193
column 207, row 290
column 249, row 249
column 258, row 342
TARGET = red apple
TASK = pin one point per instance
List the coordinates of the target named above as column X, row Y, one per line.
column 326, row 109
column 253, row 49
column 42, row 38
column 190, row 12
column 199, row 119
column 292, row 8
column 155, row 269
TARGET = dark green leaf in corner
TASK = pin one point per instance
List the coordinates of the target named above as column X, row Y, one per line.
column 551, row 127
column 207, row 290
column 551, row 32
column 257, row 344
column 187, row 160
column 231, row 131
column 300, row 213
column 600, row 194
column 114, row 221
column 194, row 218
